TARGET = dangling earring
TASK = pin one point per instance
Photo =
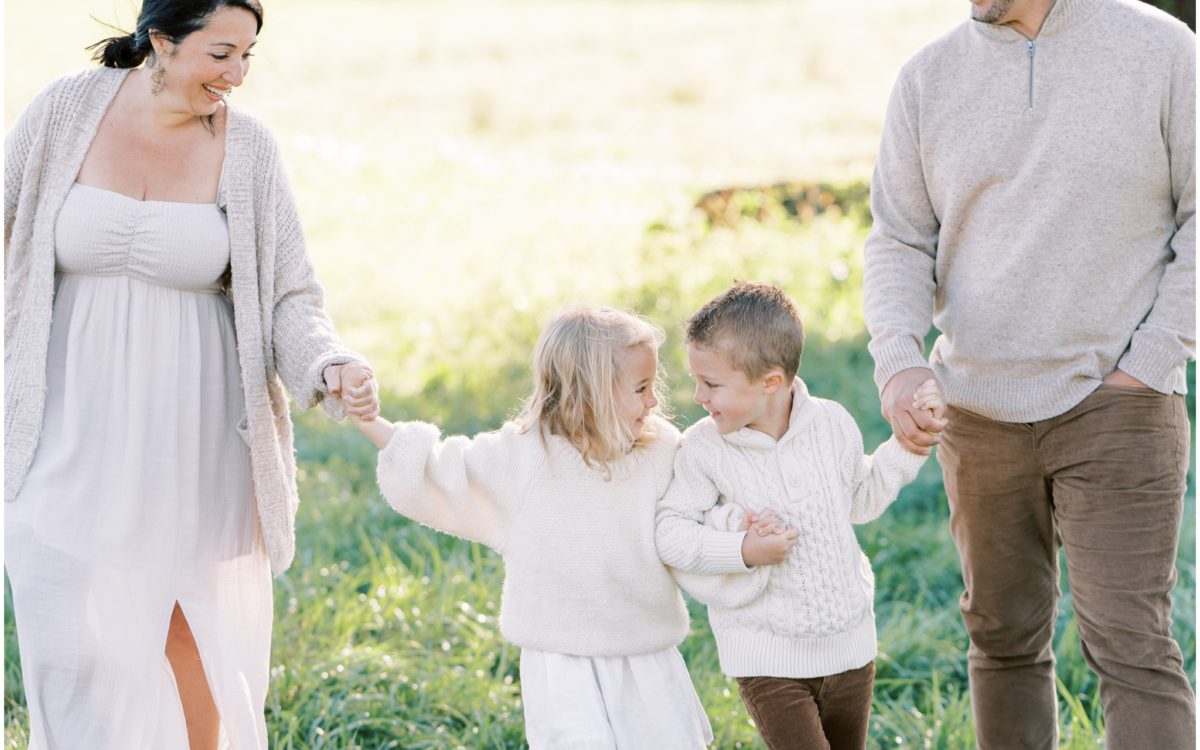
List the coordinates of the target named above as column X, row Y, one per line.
column 158, row 75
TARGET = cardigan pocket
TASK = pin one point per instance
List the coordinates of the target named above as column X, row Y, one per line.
column 243, row 428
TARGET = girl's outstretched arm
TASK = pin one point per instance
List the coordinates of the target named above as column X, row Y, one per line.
column 378, row 430
column 470, row 487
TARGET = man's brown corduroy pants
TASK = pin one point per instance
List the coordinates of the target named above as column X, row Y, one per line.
column 1105, row 481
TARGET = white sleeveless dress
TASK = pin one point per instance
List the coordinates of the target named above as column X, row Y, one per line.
column 140, row 493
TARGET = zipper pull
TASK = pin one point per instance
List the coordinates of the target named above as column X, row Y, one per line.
column 1029, row 49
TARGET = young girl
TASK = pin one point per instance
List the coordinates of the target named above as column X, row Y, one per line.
column 566, row 495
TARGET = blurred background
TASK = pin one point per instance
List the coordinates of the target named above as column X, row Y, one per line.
column 466, row 169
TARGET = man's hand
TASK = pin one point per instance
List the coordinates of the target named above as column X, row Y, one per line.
column 1124, row 380
column 916, row 429
column 768, row 549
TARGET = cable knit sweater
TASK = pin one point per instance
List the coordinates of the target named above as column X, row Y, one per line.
column 811, row 615
column 581, row 573
column 284, row 338
column 1035, row 200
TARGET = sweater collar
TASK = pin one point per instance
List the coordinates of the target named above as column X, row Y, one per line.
column 1063, row 15
column 804, row 409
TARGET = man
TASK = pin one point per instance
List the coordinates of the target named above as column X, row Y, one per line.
column 1034, row 198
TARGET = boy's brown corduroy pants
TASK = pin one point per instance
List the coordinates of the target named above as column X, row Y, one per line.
column 821, row 713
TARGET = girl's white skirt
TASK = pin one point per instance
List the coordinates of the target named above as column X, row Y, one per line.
column 611, row 702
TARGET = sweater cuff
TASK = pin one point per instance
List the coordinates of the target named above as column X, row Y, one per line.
column 1155, row 366
column 407, row 436
column 727, row 591
column 895, row 354
column 723, row 551
column 399, row 467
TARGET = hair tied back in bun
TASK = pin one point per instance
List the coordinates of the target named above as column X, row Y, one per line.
column 120, row 51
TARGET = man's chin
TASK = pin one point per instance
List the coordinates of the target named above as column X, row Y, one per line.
column 993, row 14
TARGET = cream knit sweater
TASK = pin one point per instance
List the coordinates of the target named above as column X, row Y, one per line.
column 811, row 615
column 581, row 573
column 1035, row 200
column 284, row 338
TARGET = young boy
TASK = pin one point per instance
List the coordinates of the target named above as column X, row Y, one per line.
column 797, row 630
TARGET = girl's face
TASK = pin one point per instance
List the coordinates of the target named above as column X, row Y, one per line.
column 209, row 62
column 635, row 388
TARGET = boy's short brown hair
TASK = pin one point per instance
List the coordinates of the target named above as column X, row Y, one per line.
column 755, row 325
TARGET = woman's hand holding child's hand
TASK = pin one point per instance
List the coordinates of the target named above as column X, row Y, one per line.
column 768, row 539
column 354, row 384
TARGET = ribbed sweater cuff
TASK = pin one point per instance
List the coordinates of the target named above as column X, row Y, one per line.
column 758, row 654
column 398, row 469
column 900, row 460
column 892, row 356
column 723, row 551
column 1155, row 366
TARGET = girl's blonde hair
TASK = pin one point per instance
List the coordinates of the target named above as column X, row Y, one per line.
column 576, row 373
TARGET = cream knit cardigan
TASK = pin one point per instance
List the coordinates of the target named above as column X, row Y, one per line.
column 284, row 338
column 811, row 615
column 581, row 574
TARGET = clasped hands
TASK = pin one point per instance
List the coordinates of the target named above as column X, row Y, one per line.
column 768, row 539
column 354, row 385
column 912, row 403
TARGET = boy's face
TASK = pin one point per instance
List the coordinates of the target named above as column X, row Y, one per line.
column 731, row 399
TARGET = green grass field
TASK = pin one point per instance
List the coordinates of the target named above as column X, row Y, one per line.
column 465, row 169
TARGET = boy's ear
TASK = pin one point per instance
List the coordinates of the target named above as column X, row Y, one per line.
column 774, row 380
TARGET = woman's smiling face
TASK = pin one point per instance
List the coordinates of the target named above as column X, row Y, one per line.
column 208, row 63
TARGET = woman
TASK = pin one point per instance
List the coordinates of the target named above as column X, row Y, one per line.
column 159, row 300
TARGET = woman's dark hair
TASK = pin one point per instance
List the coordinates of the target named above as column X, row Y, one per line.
column 174, row 19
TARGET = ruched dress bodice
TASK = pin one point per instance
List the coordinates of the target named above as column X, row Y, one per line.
column 182, row 246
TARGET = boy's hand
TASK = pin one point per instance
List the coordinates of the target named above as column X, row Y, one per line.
column 768, row 548
column 929, row 397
